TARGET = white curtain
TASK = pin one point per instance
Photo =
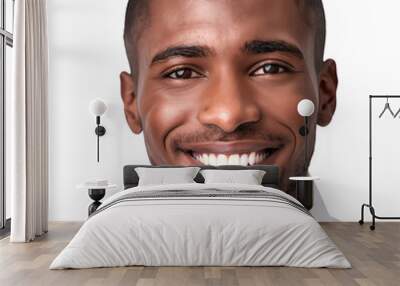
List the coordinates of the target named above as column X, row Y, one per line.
column 27, row 160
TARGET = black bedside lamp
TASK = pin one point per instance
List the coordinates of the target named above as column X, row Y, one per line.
column 97, row 107
column 305, row 108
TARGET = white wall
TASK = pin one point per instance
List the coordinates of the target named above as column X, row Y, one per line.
column 86, row 57
column 87, row 54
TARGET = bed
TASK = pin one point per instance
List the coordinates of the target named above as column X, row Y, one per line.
column 201, row 224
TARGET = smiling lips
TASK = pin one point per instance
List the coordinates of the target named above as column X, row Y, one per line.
column 244, row 153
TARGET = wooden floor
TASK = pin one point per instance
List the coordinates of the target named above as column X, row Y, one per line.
column 375, row 257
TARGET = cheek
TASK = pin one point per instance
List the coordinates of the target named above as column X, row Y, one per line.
column 160, row 115
column 279, row 100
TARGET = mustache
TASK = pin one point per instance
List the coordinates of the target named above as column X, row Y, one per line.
column 215, row 133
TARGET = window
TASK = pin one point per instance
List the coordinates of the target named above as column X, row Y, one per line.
column 6, row 44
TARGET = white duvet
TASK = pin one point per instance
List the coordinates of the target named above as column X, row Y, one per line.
column 202, row 231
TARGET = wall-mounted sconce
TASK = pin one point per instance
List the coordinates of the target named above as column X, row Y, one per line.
column 305, row 108
column 97, row 107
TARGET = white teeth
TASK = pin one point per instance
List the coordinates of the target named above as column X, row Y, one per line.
column 204, row 159
column 258, row 157
column 244, row 160
column 212, row 160
column 234, row 159
column 222, row 160
column 252, row 158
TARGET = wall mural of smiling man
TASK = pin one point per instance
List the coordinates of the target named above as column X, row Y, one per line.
column 218, row 81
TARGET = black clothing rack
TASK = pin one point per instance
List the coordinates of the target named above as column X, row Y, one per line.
column 370, row 205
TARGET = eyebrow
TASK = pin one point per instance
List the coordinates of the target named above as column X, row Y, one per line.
column 192, row 51
column 252, row 47
column 262, row 47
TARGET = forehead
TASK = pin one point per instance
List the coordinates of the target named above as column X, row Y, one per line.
column 223, row 24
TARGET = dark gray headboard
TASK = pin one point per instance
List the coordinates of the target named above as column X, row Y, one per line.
column 271, row 177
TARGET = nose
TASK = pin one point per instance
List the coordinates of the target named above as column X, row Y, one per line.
column 228, row 104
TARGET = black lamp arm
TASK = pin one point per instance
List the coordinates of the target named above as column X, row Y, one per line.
column 100, row 131
column 306, row 146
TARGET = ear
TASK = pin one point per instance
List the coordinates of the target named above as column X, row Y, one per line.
column 129, row 99
column 328, row 84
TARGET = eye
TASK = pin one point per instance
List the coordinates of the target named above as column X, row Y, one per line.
column 182, row 73
column 271, row 68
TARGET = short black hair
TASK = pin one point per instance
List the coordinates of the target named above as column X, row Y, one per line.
column 137, row 16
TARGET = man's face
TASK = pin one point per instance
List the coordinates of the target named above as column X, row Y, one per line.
column 218, row 83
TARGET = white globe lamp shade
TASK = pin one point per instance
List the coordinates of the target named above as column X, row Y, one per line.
column 305, row 108
column 97, row 107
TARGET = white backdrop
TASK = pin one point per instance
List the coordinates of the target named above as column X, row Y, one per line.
column 87, row 55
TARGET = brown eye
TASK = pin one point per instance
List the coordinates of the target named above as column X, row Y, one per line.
column 271, row 69
column 183, row 73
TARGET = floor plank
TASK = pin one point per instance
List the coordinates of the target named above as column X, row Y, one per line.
column 374, row 255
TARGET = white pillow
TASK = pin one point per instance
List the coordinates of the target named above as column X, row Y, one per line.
column 163, row 176
column 248, row 177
